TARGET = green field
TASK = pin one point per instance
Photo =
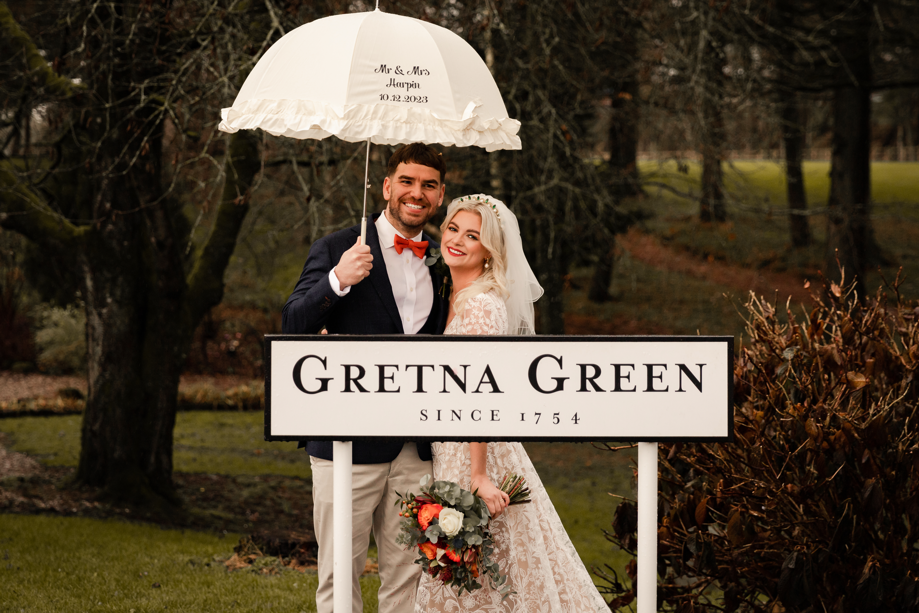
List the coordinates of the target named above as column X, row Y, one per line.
column 75, row 563
column 755, row 238
column 756, row 234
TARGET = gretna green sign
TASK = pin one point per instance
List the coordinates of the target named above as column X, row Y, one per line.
column 499, row 388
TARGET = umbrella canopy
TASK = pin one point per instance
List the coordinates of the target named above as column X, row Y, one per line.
column 374, row 76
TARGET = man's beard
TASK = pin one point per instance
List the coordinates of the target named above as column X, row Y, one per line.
column 395, row 212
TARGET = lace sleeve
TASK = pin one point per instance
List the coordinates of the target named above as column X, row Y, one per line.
column 484, row 314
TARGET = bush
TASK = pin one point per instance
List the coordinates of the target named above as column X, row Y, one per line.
column 61, row 338
column 815, row 505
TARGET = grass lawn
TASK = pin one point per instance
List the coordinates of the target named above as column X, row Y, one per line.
column 218, row 442
column 77, row 564
column 101, row 561
column 670, row 301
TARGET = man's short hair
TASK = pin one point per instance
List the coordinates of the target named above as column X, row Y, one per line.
column 417, row 153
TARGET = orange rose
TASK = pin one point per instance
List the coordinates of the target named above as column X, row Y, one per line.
column 429, row 549
column 427, row 513
column 453, row 555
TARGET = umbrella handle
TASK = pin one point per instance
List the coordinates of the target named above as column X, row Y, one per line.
column 366, row 179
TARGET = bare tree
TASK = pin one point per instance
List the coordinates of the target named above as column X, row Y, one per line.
column 122, row 89
column 550, row 62
column 545, row 60
column 793, row 128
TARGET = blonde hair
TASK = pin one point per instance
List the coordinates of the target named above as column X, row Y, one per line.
column 492, row 238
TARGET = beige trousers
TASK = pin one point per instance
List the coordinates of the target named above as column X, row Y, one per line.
column 374, row 508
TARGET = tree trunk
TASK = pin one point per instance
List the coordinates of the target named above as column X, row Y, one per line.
column 793, row 136
column 849, row 234
column 140, row 317
column 126, row 442
column 134, row 286
column 711, row 206
column 143, row 299
column 622, row 138
column 602, row 277
column 552, row 304
column 551, row 270
column 712, row 203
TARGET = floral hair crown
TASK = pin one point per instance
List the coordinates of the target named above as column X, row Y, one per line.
column 487, row 201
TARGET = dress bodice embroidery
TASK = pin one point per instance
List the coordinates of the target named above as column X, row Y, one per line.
column 483, row 314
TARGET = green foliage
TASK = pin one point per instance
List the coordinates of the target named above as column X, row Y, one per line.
column 813, row 506
column 61, row 338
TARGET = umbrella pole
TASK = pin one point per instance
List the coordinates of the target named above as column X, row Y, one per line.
column 366, row 179
column 342, row 598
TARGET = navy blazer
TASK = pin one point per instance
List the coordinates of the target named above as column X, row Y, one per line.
column 369, row 308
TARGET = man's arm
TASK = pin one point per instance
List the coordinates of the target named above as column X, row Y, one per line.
column 314, row 297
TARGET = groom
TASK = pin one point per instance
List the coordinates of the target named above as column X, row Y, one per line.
column 382, row 287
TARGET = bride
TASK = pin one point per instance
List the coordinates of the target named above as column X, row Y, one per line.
column 493, row 293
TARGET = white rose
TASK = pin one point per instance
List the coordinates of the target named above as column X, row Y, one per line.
column 451, row 521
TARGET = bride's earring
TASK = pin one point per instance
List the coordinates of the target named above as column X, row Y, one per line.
column 487, row 260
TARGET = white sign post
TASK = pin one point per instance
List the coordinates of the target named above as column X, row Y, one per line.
column 487, row 388
column 647, row 528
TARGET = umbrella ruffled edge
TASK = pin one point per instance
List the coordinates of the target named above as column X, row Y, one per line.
column 383, row 124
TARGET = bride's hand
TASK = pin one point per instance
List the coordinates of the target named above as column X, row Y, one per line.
column 495, row 499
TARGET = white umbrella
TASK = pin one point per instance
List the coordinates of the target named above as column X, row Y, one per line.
column 378, row 77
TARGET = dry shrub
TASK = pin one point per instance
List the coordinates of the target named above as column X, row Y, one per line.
column 246, row 397
column 61, row 338
column 815, row 506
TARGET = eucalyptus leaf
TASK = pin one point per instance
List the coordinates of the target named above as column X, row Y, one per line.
column 434, row 532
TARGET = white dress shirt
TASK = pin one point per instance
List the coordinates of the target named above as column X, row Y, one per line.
column 409, row 277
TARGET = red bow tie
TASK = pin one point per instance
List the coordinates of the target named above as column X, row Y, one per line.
column 418, row 247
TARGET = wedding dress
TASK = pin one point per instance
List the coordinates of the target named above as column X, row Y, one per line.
column 531, row 545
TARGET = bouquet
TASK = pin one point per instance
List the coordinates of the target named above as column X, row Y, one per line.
column 449, row 527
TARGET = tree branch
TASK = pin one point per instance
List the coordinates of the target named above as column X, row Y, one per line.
column 205, row 281
column 25, row 212
column 52, row 82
